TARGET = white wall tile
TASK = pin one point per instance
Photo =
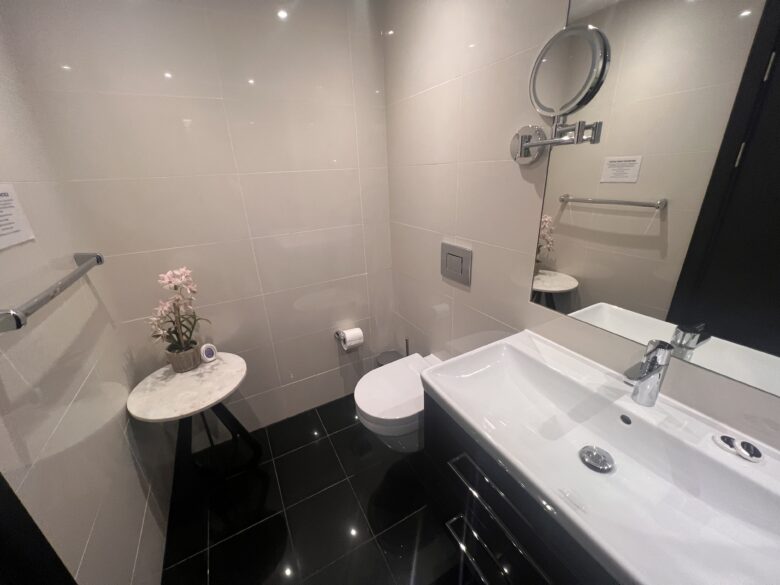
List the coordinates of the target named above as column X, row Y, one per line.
column 307, row 258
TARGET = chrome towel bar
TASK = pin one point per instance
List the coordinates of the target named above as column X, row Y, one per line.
column 11, row 319
column 660, row 204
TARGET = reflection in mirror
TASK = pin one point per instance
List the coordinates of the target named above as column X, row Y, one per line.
column 569, row 70
column 619, row 218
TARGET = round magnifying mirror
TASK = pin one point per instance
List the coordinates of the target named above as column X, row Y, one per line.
column 570, row 70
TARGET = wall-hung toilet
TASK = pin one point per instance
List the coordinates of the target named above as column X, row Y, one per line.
column 390, row 401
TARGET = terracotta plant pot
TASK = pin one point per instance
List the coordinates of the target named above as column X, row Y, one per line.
column 184, row 361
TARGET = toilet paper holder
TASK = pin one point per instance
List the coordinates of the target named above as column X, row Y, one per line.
column 349, row 339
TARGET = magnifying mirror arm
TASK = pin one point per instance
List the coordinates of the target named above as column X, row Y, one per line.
column 534, row 137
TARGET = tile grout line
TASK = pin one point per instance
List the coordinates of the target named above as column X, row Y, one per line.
column 281, row 499
column 354, row 494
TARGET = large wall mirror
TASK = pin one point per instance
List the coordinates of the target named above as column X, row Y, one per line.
column 667, row 227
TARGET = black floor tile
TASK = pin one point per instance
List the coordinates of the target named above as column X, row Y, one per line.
column 260, row 555
column 243, row 500
column 295, row 432
column 193, row 571
column 338, row 414
column 326, row 526
column 388, row 493
column 420, row 551
column 187, row 519
column 231, row 454
column 363, row 566
column 308, row 470
column 358, row 448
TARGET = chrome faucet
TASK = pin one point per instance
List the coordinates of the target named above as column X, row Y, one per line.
column 647, row 376
column 686, row 339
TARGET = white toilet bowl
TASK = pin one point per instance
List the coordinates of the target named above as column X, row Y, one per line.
column 390, row 402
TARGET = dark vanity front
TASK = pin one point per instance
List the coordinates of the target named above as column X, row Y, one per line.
column 507, row 534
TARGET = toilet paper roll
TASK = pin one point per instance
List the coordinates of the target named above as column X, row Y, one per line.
column 350, row 338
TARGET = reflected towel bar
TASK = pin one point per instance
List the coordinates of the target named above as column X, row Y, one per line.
column 12, row 319
column 660, row 204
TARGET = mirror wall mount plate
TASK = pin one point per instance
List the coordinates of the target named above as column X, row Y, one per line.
column 567, row 74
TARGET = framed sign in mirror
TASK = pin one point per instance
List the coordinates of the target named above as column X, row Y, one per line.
column 667, row 228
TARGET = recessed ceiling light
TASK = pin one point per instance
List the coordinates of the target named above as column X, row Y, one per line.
column 282, row 14
column 250, row 81
column 472, row 45
column 65, row 67
column 746, row 13
column 391, row 32
column 167, row 75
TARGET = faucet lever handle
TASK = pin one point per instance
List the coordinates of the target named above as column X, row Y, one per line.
column 658, row 354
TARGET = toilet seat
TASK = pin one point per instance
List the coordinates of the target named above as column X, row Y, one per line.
column 390, row 399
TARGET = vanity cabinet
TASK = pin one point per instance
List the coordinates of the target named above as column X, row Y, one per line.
column 507, row 535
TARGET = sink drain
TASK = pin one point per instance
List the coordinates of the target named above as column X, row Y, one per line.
column 597, row 459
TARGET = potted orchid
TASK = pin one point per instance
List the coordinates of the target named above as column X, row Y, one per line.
column 174, row 320
column 546, row 243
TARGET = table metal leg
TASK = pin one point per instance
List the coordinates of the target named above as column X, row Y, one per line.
column 206, row 426
column 236, row 428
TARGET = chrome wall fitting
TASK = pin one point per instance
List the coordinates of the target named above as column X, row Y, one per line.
column 530, row 142
column 519, row 150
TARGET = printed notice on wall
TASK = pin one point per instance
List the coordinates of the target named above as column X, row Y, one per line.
column 621, row 169
column 14, row 227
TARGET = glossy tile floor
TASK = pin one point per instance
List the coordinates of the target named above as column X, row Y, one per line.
column 329, row 504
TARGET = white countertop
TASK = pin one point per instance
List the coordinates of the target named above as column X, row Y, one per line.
column 165, row 395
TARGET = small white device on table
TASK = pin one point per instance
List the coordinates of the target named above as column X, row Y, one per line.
column 167, row 396
column 548, row 283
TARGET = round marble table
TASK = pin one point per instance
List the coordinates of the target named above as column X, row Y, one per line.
column 166, row 396
column 548, row 283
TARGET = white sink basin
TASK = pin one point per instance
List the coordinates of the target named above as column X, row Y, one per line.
column 738, row 362
column 677, row 509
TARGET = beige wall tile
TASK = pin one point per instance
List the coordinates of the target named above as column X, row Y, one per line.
column 375, row 191
column 236, row 326
column 100, row 135
column 223, row 272
column 495, row 105
column 425, row 47
column 117, row 217
column 309, row 257
column 495, row 29
column 276, row 135
column 378, row 251
column 305, row 310
column 500, row 283
column 425, row 196
column 280, row 203
column 472, row 329
column 250, row 46
column 319, row 352
column 424, row 129
column 505, row 214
